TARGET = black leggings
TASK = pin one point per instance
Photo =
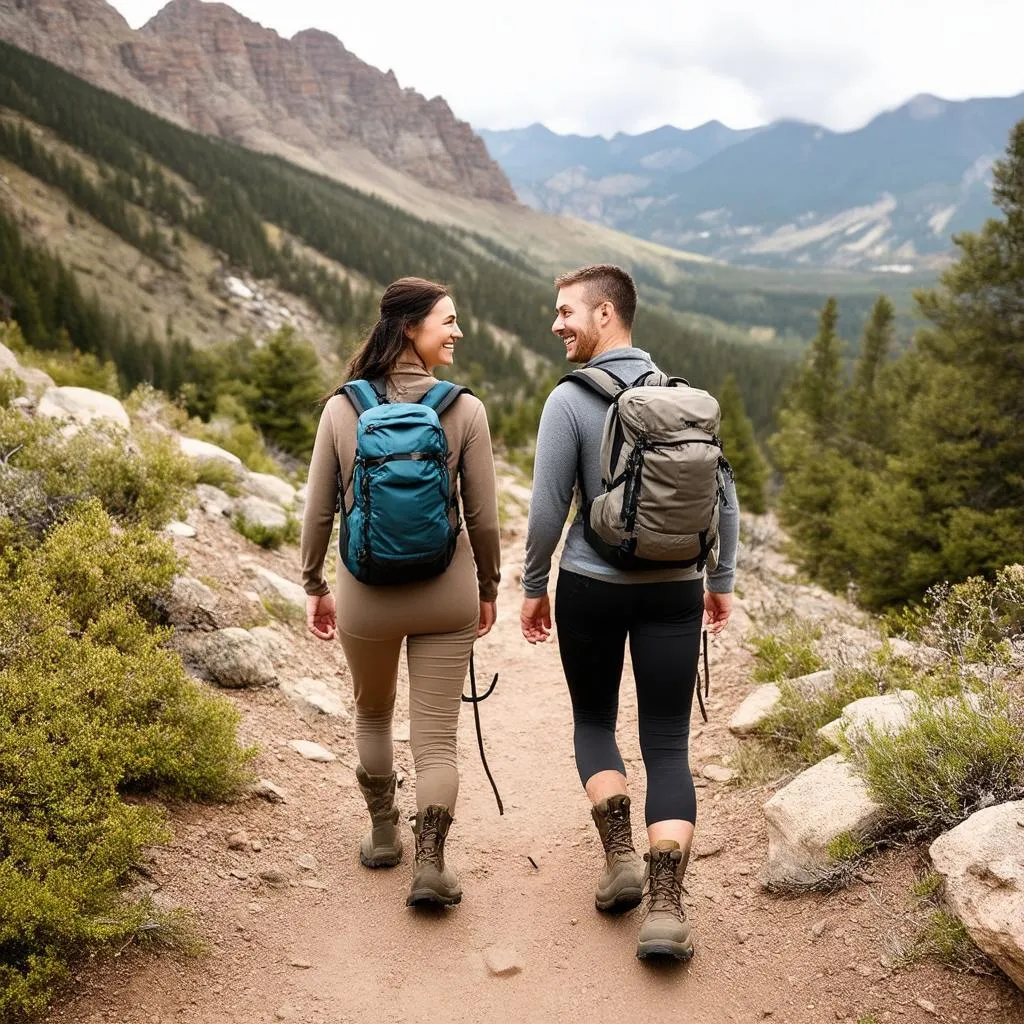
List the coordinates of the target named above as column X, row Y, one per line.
column 663, row 623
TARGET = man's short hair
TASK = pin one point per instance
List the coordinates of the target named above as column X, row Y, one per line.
column 605, row 283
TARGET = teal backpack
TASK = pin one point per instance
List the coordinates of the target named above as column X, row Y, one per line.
column 403, row 522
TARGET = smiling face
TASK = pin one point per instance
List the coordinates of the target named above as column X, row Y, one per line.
column 433, row 339
column 576, row 323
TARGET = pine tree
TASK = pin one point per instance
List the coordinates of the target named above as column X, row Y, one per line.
column 748, row 464
column 951, row 501
column 869, row 422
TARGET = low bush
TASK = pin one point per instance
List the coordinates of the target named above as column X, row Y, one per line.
column 94, row 712
column 954, row 757
column 141, row 479
column 218, row 473
column 269, row 537
column 11, row 387
column 75, row 369
column 786, row 652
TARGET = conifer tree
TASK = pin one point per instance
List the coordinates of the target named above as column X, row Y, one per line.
column 748, row 464
column 869, row 421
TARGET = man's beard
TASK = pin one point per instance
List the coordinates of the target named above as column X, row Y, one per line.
column 584, row 347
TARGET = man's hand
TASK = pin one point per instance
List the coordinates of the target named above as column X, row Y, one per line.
column 535, row 619
column 717, row 609
column 488, row 616
column 321, row 619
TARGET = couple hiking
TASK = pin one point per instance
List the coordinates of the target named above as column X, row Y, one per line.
column 650, row 557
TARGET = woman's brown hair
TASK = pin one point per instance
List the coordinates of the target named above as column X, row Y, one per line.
column 405, row 303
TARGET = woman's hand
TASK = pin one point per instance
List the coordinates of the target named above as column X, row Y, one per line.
column 535, row 619
column 321, row 619
column 717, row 609
column 488, row 616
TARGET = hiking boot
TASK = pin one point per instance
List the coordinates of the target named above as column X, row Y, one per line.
column 665, row 932
column 382, row 848
column 621, row 884
column 432, row 881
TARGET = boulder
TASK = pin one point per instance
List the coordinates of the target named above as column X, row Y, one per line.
column 312, row 751
column 204, row 450
column 762, row 701
column 214, row 502
column 270, row 488
column 230, row 657
column 82, row 406
column 274, row 644
column 804, row 817
column 35, row 381
column 261, row 513
column 191, row 604
column 313, row 697
column 278, row 588
column 176, row 528
column 982, row 862
column 889, row 712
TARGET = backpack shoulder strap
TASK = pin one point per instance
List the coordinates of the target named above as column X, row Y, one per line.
column 595, row 378
column 442, row 396
column 362, row 394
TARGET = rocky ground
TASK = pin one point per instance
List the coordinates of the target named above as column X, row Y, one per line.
column 296, row 930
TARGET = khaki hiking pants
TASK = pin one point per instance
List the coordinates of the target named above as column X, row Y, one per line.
column 438, row 621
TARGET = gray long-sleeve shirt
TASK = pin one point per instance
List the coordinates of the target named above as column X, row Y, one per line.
column 568, row 442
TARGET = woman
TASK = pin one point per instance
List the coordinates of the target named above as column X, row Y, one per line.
column 440, row 617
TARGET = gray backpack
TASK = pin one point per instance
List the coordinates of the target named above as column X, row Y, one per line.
column 660, row 461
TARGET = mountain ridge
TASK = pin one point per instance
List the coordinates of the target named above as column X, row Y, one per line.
column 209, row 68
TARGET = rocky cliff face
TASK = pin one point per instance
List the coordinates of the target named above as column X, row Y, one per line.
column 206, row 66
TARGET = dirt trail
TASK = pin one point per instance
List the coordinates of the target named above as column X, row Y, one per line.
column 337, row 944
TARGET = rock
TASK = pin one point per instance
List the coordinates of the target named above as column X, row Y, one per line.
column 230, row 657
column 804, row 817
column 270, row 488
column 311, row 751
column 928, row 1006
column 178, row 529
column 300, row 963
column 756, row 707
column 82, row 406
column 818, row 928
column 312, row 698
column 889, row 713
column 502, row 961
column 190, row 604
column 307, row 862
column 717, row 773
column 400, row 732
column 269, row 792
column 261, row 513
column 274, row 644
column 238, row 840
column 274, row 876
column 982, row 862
column 214, row 502
column 201, row 451
column 712, row 849
column 35, row 381
column 919, row 654
column 278, row 588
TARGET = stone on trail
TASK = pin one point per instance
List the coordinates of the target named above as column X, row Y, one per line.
column 269, row 792
column 238, row 840
column 274, row 645
column 82, row 406
column 982, row 862
column 804, row 817
column 213, row 501
column 311, row 751
column 231, row 657
column 763, row 700
column 313, row 697
column 190, row 604
column 270, row 488
column 307, row 862
column 278, row 587
column 176, row 528
column 718, row 773
column 502, row 961
column 889, row 713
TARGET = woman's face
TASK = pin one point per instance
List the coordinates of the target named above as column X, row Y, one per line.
column 434, row 339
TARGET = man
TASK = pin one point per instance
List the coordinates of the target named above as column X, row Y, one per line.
column 598, row 606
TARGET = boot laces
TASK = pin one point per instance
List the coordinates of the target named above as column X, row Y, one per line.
column 428, row 848
column 664, row 887
column 620, row 834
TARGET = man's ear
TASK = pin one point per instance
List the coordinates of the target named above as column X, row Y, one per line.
column 606, row 311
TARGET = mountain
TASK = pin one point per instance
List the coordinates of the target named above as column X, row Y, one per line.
column 889, row 194
column 207, row 67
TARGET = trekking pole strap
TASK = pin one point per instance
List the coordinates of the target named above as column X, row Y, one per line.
column 707, row 679
column 475, row 699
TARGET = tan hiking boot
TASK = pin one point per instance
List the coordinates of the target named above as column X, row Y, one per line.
column 382, row 847
column 621, row 884
column 665, row 932
column 432, row 881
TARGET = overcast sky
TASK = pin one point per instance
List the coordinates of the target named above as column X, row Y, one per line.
column 597, row 66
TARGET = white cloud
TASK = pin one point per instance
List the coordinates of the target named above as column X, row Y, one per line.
column 598, row 66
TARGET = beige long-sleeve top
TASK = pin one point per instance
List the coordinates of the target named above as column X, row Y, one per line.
column 470, row 464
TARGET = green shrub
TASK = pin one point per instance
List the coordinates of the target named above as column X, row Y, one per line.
column 92, row 706
column 269, row 537
column 952, row 759
column 942, row 936
column 11, row 387
column 75, row 369
column 218, row 473
column 787, row 652
column 140, row 479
